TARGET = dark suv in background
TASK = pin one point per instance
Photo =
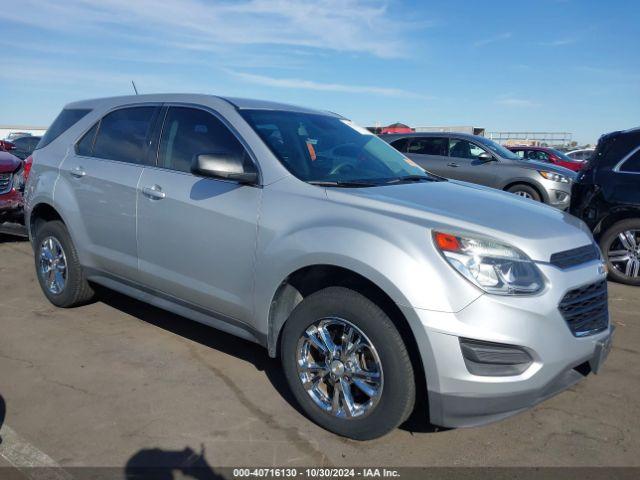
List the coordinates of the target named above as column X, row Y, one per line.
column 607, row 197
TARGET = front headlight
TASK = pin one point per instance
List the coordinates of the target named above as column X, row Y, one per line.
column 494, row 267
column 554, row 177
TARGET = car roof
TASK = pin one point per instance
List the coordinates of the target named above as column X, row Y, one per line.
column 519, row 147
column 238, row 103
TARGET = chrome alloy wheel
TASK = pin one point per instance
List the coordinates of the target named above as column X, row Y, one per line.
column 340, row 368
column 522, row 193
column 53, row 265
column 624, row 253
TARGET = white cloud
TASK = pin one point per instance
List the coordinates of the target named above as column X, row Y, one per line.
column 517, row 102
column 558, row 43
column 358, row 26
column 296, row 83
column 497, row 38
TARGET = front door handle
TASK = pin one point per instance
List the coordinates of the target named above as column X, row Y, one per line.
column 154, row 192
column 78, row 172
column 455, row 165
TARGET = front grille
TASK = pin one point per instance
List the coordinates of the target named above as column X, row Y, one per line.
column 5, row 182
column 575, row 256
column 585, row 309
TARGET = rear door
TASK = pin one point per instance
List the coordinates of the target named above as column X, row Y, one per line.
column 464, row 163
column 430, row 153
column 103, row 173
column 197, row 236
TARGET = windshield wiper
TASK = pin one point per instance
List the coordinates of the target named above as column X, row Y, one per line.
column 412, row 178
column 343, row 183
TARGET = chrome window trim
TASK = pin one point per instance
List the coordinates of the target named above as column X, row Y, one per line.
column 626, row 157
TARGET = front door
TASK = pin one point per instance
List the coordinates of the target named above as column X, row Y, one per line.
column 464, row 163
column 197, row 236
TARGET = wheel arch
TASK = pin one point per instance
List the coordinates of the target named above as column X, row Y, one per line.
column 615, row 216
column 539, row 190
column 309, row 279
column 42, row 212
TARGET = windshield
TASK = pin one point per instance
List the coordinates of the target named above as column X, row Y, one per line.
column 497, row 149
column 562, row 156
column 328, row 150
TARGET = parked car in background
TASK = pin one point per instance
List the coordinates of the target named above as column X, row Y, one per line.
column 546, row 155
column 581, row 155
column 607, row 197
column 24, row 146
column 371, row 279
column 11, row 186
column 15, row 135
column 6, row 146
column 477, row 159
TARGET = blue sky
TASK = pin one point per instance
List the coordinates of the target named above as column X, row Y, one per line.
column 556, row 65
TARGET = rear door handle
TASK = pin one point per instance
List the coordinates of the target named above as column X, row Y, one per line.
column 455, row 165
column 78, row 172
column 154, row 192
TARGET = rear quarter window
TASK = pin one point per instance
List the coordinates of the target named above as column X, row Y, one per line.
column 67, row 118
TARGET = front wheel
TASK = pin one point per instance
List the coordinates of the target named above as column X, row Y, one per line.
column 525, row 191
column 620, row 245
column 347, row 364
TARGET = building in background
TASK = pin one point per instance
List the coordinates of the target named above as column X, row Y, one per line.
column 460, row 129
column 533, row 139
column 5, row 130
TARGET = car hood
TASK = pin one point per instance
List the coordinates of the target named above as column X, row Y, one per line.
column 549, row 167
column 537, row 229
column 9, row 163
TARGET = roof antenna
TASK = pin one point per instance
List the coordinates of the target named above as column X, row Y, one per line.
column 134, row 87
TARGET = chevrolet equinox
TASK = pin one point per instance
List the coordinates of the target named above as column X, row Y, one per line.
column 380, row 286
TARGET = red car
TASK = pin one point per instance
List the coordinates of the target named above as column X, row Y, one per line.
column 12, row 173
column 547, row 154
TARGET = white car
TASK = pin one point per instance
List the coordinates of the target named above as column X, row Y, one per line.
column 581, row 155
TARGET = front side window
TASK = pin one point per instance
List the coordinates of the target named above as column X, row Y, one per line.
column 496, row 148
column 323, row 149
column 428, row 146
column 632, row 164
column 67, row 118
column 188, row 132
column 537, row 155
column 123, row 134
column 464, row 149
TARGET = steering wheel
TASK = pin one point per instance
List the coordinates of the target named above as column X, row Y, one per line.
column 340, row 166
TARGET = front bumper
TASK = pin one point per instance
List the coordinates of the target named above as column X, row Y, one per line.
column 559, row 198
column 458, row 398
column 11, row 207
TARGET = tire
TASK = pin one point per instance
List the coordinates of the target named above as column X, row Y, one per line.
column 338, row 308
column 611, row 241
column 74, row 290
column 525, row 191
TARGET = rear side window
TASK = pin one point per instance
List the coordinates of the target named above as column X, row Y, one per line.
column 67, row 118
column 632, row 164
column 400, row 145
column 428, row 146
column 122, row 135
column 85, row 146
column 189, row 132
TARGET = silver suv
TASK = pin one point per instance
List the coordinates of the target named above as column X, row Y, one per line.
column 376, row 283
column 476, row 159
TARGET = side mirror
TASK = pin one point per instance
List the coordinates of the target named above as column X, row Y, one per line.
column 224, row 165
column 486, row 157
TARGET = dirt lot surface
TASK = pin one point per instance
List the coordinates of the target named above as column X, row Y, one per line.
column 118, row 381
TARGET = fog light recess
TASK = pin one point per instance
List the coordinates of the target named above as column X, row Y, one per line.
column 494, row 359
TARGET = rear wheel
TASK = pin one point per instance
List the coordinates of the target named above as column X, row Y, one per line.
column 525, row 191
column 620, row 245
column 347, row 365
column 58, row 269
